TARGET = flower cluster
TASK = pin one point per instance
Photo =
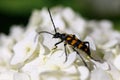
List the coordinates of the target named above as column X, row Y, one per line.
column 25, row 56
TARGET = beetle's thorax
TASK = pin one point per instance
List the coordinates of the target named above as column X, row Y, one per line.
column 61, row 36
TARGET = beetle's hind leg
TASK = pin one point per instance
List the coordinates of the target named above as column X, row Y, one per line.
column 81, row 58
column 89, row 52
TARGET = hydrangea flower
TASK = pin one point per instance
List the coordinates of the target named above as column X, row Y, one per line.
column 25, row 55
column 24, row 49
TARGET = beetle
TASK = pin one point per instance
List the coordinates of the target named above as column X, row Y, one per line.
column 70, row 39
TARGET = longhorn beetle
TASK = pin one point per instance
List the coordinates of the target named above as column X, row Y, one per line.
column 71, row 40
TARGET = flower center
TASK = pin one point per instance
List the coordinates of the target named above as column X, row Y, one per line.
column 28, row 49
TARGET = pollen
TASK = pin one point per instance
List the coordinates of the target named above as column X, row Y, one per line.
column 28, row 49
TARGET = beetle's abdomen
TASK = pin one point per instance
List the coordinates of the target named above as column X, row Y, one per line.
column 76, row 43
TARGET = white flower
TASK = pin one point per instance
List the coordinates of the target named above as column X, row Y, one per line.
column 75, row 22
column 34, row 19
column 16, row 32
column 84, row 73
column 99, row 74
column 5, row 56
column 6, row 41
column 116, row 62
column 7, row 75
column 116, row 59
column 25, row 55
column 57, row 60
column 6, row 44
column 51, row 63
column 114, row 72
column 21, row 76
column 25, row 49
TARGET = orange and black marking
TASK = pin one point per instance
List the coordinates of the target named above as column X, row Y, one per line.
column 76, row 43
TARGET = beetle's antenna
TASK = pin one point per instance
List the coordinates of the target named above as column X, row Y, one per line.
column 45, row 32
column 40, row 33
column 52, row 20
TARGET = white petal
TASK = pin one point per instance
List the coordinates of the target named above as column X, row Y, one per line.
column 58, row 57
column 114, row 72
column 84, row 72
column 33, row 68
column 99, row 74
column 24, row 49
column 71, row 58
column 44, row 15
column 59, row 22
column 6, row 41
column 110, row 44
column 117, row 62
column 5, row 56
column 34, row 19
column 17, row 32
column 58, row 75
column 106, row 25
column 71, row 70
column 68, row 17
column 7, row 75
column 49, row 41
column 43, row 50
column 21, row 76
column 104, row 65
column 78, row 25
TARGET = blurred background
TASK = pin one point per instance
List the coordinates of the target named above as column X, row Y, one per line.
column 18, row 11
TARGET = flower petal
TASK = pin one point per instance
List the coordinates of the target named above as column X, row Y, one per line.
column 71, row 58
column 24, row 49
column 99, row 74
column 84, row 72
column 21, row 76
column 6, row 75
column 117, row 62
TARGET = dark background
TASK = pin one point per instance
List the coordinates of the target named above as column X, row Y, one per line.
column 18, row 11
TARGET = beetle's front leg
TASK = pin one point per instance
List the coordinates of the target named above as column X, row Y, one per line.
column 57, row 44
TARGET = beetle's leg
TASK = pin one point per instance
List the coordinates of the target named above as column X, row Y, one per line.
column 81, row 58
column 57, row 44
column 65, row 52
column 88, row 51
